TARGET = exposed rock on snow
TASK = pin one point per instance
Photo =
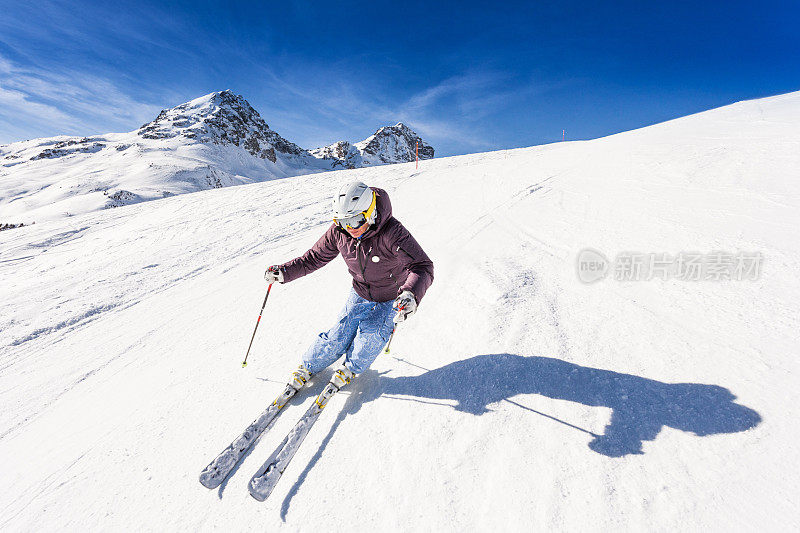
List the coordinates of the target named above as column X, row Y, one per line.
column 120, row 198
column 72, row 146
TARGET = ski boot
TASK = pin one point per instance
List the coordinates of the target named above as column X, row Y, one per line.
column 299, row 378
column 340, row 378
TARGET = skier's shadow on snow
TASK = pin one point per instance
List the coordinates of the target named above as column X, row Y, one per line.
column 640, row 406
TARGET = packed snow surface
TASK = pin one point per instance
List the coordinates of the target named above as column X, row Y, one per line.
column 516, row 398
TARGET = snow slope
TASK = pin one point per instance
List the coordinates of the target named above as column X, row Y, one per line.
column 517, row 398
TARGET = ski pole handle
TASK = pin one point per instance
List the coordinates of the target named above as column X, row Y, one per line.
column 244, row 363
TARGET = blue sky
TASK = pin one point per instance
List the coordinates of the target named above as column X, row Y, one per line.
column 468, row 77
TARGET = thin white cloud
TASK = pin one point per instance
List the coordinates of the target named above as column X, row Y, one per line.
column 38, row 114
column 45, row 103
column 442, row 130
column 451, row 112
column 463, row 87
column 5, row 66
column 446, row 113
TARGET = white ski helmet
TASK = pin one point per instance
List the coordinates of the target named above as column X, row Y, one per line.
column 354, row 204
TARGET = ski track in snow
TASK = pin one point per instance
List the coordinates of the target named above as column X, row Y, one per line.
column 517, row 397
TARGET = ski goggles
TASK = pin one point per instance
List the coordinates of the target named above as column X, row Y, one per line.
column 359, row 219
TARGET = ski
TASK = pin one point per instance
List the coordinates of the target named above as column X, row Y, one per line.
column 269, row 474
column 219, row 469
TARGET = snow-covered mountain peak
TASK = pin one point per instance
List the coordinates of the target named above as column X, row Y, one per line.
column 389, row 144
column 220, row 118
column 394, row 144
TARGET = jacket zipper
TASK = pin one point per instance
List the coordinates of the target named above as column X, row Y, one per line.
column 363, row 270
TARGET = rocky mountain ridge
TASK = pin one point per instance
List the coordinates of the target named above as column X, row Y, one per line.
column 220, row 118
column 388, row 145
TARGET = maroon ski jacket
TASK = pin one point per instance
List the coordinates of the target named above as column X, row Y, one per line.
column 384, row 262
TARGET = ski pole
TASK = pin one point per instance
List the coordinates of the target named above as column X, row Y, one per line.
column 390, row 339
column 244, row 363
column 394, row 328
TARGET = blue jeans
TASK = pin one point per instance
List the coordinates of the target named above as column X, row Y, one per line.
column 362, row 330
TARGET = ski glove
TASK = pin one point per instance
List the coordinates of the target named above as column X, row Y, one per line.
column 405, row 305
column 273, row 274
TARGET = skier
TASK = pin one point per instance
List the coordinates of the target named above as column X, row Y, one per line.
column 390, row 276
column 390, row 273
